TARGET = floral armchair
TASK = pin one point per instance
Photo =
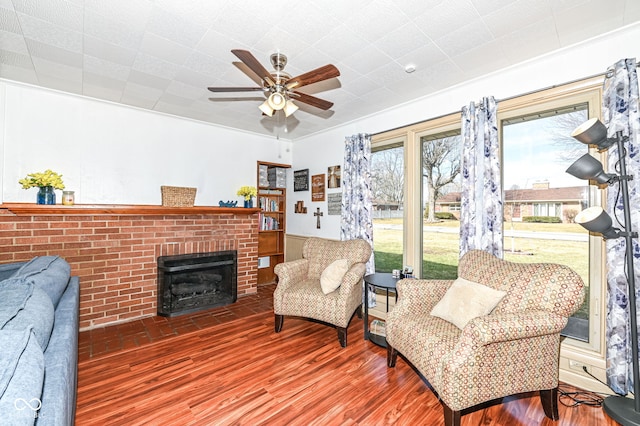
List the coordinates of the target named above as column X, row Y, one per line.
column 513, row 349
column 305, row 289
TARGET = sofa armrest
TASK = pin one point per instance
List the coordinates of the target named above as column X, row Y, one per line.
column 511, row 326
column 291, row 272
column 352, row 278
column 419, row 296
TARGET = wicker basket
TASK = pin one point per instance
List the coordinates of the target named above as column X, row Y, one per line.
column 178, row 196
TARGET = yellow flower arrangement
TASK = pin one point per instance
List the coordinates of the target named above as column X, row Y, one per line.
column 247, row 192
column 46, row 178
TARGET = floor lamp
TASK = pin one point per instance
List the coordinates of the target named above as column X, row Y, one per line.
column 624, row 410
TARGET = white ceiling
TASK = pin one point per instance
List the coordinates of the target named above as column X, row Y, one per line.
column 163, row 54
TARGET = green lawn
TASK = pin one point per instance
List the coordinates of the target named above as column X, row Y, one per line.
column 440, row 250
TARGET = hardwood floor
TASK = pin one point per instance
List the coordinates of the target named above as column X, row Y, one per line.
column 240, row 372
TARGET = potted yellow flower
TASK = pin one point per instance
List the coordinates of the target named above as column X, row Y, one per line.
column 46, row 181
column 248, row 192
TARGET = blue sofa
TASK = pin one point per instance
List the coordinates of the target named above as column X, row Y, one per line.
column 39, row 308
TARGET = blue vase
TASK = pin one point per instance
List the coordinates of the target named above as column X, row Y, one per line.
column 46, row 195
column 248, row 204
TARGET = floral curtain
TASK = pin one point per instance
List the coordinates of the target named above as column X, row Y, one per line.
column 620, row 114
column 481, row 213
column 357, row 219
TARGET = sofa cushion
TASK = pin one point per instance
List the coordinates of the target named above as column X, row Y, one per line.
column 333, row 274
column 24, row 306
column 49, row 273
column 466, row 300
column 21, row 377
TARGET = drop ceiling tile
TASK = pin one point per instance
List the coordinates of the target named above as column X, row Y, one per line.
column 532, row 40
column 106, row 68
column 379, row 18
column 476, row 58
column 154, row 66
column 164, row 49
column 403, row 41
column 58, row 12
column 631, row 11
column 46, row 32
column 137, row 101
column 367, row 59
column 312, row 19
column 13, row 43
column 15, row 59
column 485, row 7
column 101, row 91
column 101, row 80
column 102, row 49
column 605, row 16
column 147, row 80
column 202, row 12
column 135, row 13
column 340, row 43
column 464, row 38
column 9, row 21
column 185, row 90
column 446, row 17
column 175, row 27
column 6, row 4
column 54, row 54
column 515, row 16
column 423, row 57
column 205, row 64
column 16, row 72
column 193, row 78
column 118, row 32
column 239, row 28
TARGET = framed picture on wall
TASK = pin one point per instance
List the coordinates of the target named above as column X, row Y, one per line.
column 317, row 187
column 301, row 180
column 333, row 177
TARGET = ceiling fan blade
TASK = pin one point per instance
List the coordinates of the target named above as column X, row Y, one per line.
column 311, row 100
column 255, row 66
column 319, row 74
column 235, row 89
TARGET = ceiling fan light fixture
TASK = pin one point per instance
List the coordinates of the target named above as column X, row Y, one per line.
column 266, row 109
column 290, row 108
column 277, row 101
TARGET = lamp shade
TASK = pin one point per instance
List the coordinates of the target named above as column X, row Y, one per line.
column 277, row 101
column 593, row 132
column 587, row 167
column 595, row 219
column 266, row 109
column 290, row 108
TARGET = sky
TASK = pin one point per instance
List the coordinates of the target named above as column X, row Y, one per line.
column 533, row 153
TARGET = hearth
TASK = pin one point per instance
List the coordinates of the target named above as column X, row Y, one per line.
column 197, row 281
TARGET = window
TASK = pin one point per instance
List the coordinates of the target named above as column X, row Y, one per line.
column 541, row 199
column 441, row 210
column 387, row 184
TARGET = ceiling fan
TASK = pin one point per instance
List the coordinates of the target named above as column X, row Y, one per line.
column 280, row 87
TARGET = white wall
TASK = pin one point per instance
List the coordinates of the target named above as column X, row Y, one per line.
column 319, row 151
column 109, row 153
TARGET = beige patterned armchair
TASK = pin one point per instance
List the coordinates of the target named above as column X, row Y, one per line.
column 300, row 294
column 512, row 350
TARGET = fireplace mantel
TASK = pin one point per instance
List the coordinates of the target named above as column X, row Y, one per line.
column 29, row 209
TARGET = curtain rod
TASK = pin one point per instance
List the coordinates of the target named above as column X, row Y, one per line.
column 606, row 74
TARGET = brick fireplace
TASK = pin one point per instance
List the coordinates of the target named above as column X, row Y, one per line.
column 114, row 249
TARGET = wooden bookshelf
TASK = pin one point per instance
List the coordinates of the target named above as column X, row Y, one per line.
column 272, row 201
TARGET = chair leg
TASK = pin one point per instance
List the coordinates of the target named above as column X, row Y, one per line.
column 279, row 319
column 451, row 418
column 549, row 400
column 359, row 312
column 392, row 356
column 342, row 336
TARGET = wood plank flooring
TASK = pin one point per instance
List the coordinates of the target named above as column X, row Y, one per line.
column 241, row 372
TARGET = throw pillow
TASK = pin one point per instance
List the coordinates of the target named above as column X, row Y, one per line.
column 466, row 300
column 332, row 275
column 50, row 273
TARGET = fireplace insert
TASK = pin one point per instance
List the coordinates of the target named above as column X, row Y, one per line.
column 197, row 281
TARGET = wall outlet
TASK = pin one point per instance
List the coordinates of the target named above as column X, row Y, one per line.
column 575, row 365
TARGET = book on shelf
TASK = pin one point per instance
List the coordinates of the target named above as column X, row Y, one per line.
column 268, row 223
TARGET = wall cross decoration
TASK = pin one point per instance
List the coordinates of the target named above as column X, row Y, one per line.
column 317, row 214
